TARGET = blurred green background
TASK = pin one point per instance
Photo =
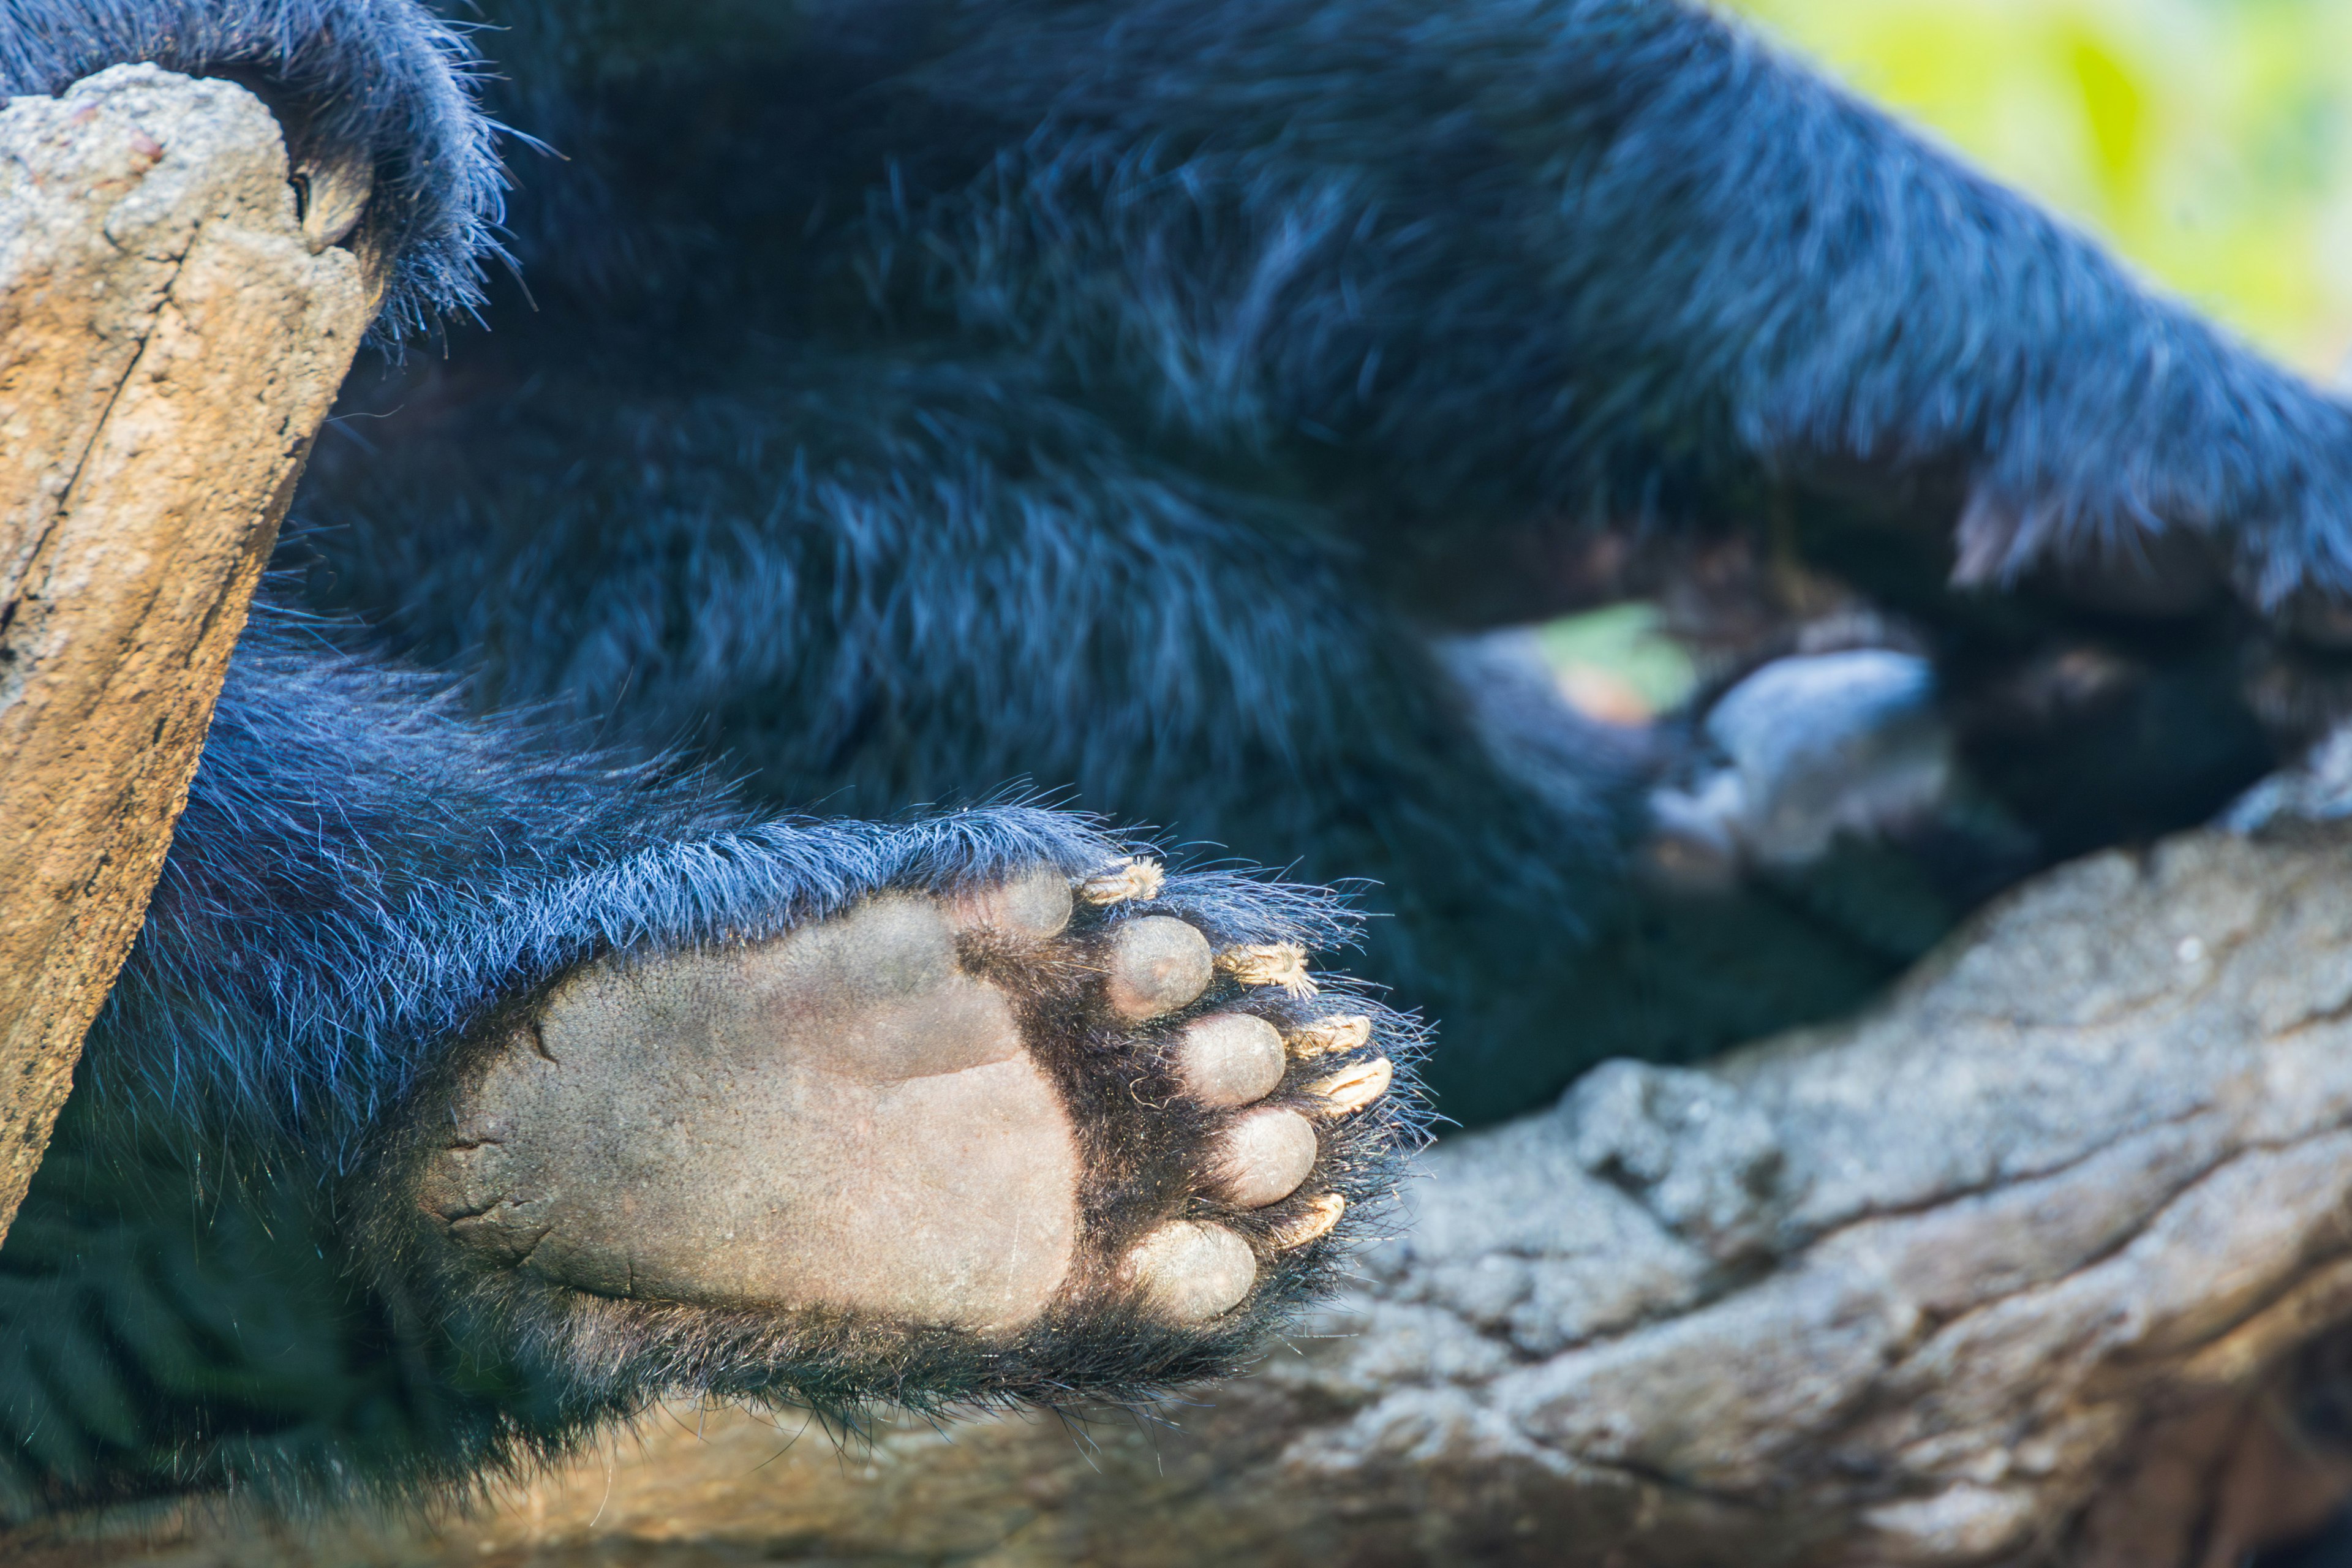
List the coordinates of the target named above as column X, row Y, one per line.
column 2210, row 142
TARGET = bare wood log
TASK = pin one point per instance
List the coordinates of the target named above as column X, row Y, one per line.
column 2022, row 1268
column 169, row 340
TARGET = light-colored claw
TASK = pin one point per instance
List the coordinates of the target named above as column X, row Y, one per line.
column 1351, row 1088
column 1330, row 1036
column 1263, row 1157
column 1188, row 1272
column 1313, row 1222
column 332, row 195
column 1158, row 965
column 1131, row 877
column 1282, row 964
column 1230, row 1058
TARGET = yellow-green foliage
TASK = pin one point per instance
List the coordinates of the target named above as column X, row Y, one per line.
column 2209, row 140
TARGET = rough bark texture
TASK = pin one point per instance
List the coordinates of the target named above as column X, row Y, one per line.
column 169, row 342
column 2045, row 1260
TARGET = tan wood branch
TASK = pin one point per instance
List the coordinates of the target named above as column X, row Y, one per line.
column 169, row 343
column 2027, row 1267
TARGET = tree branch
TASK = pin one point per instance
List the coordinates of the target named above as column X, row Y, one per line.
column 169, row 343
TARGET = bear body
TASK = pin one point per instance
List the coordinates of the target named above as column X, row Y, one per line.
column 1138, row 404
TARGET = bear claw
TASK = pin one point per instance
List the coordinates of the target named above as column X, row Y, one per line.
column 1313, row 1222
column 1352, row 1088
column 1282, row 964
column 1331, row 1036
column 1129, row 877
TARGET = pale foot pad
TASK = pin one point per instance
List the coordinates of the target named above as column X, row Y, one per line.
column 1190, row 1272
column 1157, row 965
column 1033, row 907
column 838, row 1118
column 1230, row 1058
column 1263, row 1157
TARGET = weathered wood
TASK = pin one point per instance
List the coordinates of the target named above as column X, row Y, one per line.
column 169, row 343
column 2028, row 1266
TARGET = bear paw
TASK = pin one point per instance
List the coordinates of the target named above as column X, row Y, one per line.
column 1030, row 1140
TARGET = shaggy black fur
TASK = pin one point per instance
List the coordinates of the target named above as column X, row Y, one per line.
column 904, row 397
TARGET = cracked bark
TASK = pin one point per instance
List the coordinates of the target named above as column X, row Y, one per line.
column 2045, row 1260
column 169, row 342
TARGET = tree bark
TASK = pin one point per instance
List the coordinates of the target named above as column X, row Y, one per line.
column 2045, row 1260
column 169, row 342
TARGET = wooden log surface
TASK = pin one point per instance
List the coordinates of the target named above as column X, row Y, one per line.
column 170, row 340
column 2046, row 1260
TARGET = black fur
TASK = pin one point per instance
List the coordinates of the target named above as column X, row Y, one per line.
column 902, row 399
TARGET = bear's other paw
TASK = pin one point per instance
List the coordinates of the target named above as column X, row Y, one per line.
column 1037, row 1140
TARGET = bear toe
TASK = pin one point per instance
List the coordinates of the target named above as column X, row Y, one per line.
column 1189, row 1272
column 1231, row 1058
column 1264, row 1157
column 1158, row 965
column 1033, row 906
